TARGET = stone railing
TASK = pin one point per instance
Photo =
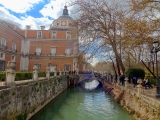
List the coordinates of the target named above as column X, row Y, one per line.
column 10, row 75
column 137, row 91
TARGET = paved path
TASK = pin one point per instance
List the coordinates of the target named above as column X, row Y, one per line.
column 149, row 92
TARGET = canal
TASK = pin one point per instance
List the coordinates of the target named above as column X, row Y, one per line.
column 79, row 104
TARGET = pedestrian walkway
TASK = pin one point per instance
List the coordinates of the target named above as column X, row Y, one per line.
column 148, row 92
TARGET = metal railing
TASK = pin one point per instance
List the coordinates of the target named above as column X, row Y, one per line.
column 3, row 47
column 37, row 53
column 52, row 54
column 14, row 50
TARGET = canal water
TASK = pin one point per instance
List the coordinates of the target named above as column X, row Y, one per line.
column 79, row 104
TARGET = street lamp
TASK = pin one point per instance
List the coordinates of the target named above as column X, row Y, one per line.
column 155, row 49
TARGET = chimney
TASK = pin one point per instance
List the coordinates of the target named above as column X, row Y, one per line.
column 42, row 27
column 28, row 27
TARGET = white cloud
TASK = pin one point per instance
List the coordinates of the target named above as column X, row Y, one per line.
column 19, row 6
column 23, row 21
column 91, row 59
column 54, row 9
column 35, row 23
column 5, row 15
column 94, row 60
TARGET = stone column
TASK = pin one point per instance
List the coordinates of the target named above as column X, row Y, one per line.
column 118, row 81
column 55, row 73
column 139, row 87
column 60, row 72
column 10, row 74
column 125, row 83
column 77, row 72
column 47, row 72
column 35, row 73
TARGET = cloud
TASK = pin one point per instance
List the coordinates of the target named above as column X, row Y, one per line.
column 5, row 15
column 94, row 60
column 91, row 59
column 19, row 6
column 54, row 9
column 35, row 23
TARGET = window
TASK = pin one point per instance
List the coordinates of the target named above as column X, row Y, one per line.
column 39, row 34
column 67, row 68
column 38, row 50
column 3, row 42
column 13, row 58
column 2, row 56
column 54, row 35
column 14, row 47
column 68, row 51
column 52, row 68
column 38, row 66
column 53, row 51
column 2, row 65
column 68, row 35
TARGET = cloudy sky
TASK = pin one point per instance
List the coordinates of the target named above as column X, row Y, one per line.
column 31, row 12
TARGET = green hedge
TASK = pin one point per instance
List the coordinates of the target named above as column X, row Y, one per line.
column 138, row 72
column 57, row 73
column 2, row 76
column 23, row 76
column 152, row 80
column 51, row 73
column 41, row 74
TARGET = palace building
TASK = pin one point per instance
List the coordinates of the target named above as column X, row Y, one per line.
column 56, row 47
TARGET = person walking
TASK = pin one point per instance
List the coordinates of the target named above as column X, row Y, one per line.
column 122, row 79
column 134, row 80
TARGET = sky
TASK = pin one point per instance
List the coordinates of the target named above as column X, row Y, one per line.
column 31, row 12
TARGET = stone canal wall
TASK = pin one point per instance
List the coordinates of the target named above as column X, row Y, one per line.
column 23, row 101
column 141, row 107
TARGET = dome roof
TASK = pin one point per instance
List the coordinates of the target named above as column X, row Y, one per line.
column 65, row 14
column 65, row 17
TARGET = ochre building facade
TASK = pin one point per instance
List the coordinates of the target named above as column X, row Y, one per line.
column 56, row 47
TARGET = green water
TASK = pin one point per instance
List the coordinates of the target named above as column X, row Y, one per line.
column 77, row 104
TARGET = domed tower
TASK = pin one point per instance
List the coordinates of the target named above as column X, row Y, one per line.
column 63, row 22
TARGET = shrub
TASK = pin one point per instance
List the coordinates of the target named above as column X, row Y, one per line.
column 23, row 76
column 152, row 81
column 41, row 74
column 51, row 73
column 2, row 76
column 28, row 75
column 138, row 72
column 20, row 76
column 57, row 73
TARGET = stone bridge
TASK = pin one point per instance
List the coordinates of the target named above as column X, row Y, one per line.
column 87, row 76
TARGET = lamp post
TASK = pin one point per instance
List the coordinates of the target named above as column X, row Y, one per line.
column 155, row 49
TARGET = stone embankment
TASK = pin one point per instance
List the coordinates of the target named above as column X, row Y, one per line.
column 140, row 106
column 23, row 101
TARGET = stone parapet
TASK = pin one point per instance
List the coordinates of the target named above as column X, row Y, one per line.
column 141, row 107
column 26, row 99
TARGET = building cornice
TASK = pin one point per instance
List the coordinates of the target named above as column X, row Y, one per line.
column 5, row 25
column 50, row 39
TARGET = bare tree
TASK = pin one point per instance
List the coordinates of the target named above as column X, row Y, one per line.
column 101, row 19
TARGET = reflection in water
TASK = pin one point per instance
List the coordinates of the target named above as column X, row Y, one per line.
column 78, row 104
column 91, row 85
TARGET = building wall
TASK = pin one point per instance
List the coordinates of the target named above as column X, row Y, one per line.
column 11, row 36
column 46, row 46
column 44, row 62
column 26, row 47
